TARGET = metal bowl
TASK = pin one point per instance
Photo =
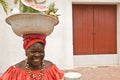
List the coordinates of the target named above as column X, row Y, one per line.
column 31, row 23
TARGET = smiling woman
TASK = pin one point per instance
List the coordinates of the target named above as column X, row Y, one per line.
column 34, row 67
column 34, row 33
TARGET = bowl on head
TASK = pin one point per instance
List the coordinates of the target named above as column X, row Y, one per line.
column 28, row 23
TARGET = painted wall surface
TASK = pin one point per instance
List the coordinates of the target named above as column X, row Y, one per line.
column 96, row 1
column 118, row 32
column 11, row 50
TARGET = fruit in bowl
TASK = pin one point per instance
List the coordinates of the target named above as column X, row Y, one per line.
column 33, row 18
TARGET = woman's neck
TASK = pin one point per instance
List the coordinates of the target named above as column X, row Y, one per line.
column 35, row 67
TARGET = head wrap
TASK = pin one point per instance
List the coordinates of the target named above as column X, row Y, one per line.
column 30, row 39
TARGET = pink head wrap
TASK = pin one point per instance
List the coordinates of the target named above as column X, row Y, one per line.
column 30, row 39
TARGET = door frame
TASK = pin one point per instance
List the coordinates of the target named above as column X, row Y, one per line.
column 101, row 59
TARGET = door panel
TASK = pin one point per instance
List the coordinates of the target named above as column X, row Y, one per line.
column 104, row 29
column 83, row 22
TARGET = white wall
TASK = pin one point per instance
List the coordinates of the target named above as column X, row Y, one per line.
column 96, row 1
column 10, row 44
column 118, row 31
column 61, row 51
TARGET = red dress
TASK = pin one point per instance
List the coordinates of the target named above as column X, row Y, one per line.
column 14, row 73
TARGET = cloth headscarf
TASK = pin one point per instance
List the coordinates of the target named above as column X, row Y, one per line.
column 30, row 39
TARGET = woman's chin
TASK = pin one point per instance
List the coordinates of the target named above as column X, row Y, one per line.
column 36, row 64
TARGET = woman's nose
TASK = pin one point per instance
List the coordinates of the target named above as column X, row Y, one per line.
column 37, row 54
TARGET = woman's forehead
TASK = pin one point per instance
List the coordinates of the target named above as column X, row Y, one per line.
column 36, row 46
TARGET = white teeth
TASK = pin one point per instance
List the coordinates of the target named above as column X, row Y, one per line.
column 36, row 60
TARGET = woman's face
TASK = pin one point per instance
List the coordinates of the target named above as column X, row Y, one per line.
column 35, row 54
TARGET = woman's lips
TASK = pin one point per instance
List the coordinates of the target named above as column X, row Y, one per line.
column 36, row 60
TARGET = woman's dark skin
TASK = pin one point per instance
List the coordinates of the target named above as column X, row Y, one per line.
column 35, row 56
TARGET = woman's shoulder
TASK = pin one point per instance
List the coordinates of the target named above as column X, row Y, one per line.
column 10, row 71
column 48, row 63
column 52, row 71
column 20, row 64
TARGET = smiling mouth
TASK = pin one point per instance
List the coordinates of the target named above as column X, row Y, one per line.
column 36, row 60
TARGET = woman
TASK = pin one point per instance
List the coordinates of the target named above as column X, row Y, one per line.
column 34, row 67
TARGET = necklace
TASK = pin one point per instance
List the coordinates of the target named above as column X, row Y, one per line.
column 39, row 77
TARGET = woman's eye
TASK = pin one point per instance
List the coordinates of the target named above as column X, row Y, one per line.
column 31, row 52
column 34, row 52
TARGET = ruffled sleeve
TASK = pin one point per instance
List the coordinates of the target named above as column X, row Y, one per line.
column 6, row 75
column 53, row 73
column 13, row 73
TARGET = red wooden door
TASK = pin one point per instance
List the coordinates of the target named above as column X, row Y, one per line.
column 94, row 29
column 105, row 29
column 83, row 29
